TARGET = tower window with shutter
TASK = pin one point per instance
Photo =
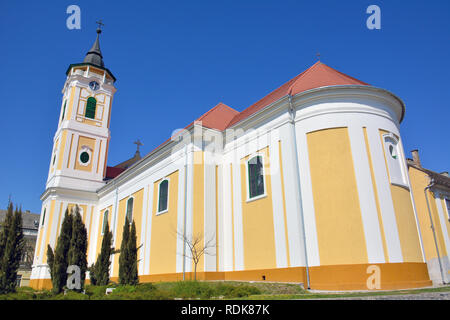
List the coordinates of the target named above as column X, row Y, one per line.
column 90, row 108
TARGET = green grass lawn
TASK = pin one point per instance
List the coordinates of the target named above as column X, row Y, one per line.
column 200, row 290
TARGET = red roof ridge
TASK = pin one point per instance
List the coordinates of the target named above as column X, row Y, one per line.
column 317, row 76
column 302, row 74
column 218, row 117
column 220, row 104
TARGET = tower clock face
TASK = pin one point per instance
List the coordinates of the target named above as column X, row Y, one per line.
column 94, row 85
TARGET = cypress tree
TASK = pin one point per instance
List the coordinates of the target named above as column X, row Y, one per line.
column 101, row 267
column 50, row 259
column 124, row 258
column 92, row 274
column 133, row 278
column 78, row 245
column 60, row 264
column 12, row 249
column 4, row 232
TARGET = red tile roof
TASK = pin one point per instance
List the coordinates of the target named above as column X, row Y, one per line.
column 112, row 172
column 222, row 116
column 319, row 75
column 218, row 117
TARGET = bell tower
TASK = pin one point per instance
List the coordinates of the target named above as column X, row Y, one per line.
column 80, row 149
column 80, row 145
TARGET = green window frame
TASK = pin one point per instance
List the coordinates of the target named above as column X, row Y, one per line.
column 129, row 214
column 91, row 107
column 163, row 196
column 64, row 111
column 43, row 217
column 255, row 171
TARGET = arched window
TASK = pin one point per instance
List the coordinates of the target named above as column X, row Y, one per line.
column 130, row 209
column 394, row 160
column 64, row 111
column 105, row 220
column 90, row 108
column 163, row 196
column 255, row 173
column 43, row 217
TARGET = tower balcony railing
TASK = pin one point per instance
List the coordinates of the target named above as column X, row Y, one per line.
column 84, row 73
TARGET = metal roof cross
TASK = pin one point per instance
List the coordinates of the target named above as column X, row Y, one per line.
column 138, row 143
column 100, row 24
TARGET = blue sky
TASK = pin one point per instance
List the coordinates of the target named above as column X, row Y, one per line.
column 174, row 60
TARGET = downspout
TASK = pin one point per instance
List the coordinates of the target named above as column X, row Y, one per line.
column 432, row 228
column 294, row 136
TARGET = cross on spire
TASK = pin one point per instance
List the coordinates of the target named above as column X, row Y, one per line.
column 318, row 56
column 138, row 143
column 100, row 25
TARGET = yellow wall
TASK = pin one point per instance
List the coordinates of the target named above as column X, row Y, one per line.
column 51, row 216
column 85, row 141
column 69, row 109
column 137, row 217
column 100, row 98
column 404, row 215
column 257, row 221
column 163, row 247
column 419, row 181
column 340, row 232
column 98, row 245
column 199, row 204
column 41, row 234
column 406, row 225
column 437, row 224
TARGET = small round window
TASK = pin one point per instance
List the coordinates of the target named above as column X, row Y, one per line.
column 84, row 157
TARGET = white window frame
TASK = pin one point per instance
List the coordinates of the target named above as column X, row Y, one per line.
column 168, row 196
column 88, row 150
column 264, row 177
column 44, row 212
column 401, row 159
column 126, row 210
column 102, row 232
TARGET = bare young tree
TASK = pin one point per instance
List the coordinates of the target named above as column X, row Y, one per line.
column 197, row 247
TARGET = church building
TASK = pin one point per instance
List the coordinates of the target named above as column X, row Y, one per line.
column 310, row 185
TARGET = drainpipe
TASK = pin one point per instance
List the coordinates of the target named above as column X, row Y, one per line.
column 432, row 228
column 294, row 136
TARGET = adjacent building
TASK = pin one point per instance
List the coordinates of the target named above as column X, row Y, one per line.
column 30, row 227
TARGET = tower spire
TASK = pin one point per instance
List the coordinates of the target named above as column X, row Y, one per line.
column 94, row 55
